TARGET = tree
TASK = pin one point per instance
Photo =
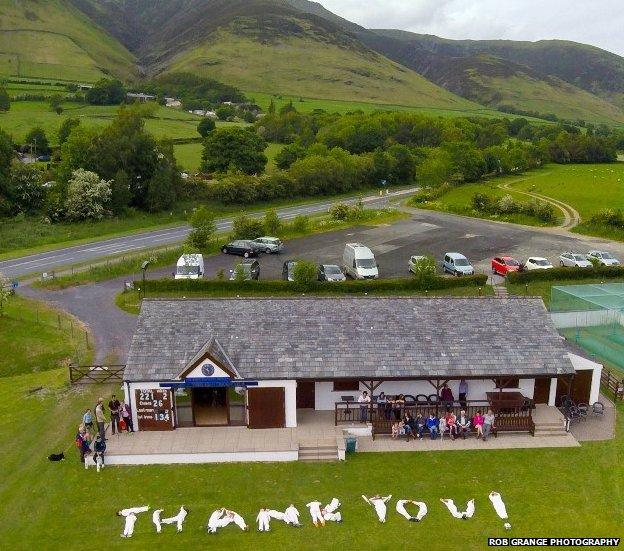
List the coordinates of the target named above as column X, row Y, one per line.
column 305, row 272
column 288, row 155
column 5, row 101
column 6, row 291
column 224, row 112
column 271, row 109
column 203, row 229
column 272, row 223
column 120, row 192
column 234, row 148
column 38, row 141
column 248, row 116
column 56, row 103
column 66, row 127
column 88, row 196
column 6, row 156
column 239, row 273
column 106, row 92
column 205, row 126
column 161, row 192
column 245, row 227
column 27, row 191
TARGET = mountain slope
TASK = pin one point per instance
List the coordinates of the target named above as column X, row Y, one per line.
column 263, row 46
column 53, row 39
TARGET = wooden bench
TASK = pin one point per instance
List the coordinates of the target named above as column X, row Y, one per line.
column 513, row 424
column 384, row 427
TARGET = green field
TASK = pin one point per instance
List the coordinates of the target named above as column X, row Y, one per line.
column 53, row 39
column 35, row 337
column 459, row 201
column 548, row 492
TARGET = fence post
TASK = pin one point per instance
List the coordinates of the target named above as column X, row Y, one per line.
column 71, row 324
column 59, row 320
column 87, row 339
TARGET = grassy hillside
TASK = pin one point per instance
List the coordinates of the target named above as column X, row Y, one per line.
column 53, row 39
column 342, row 70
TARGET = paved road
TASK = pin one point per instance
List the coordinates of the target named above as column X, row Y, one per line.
column 58, row 258
column 425, row 232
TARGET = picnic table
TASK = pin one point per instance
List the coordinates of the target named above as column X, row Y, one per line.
column 505, row 399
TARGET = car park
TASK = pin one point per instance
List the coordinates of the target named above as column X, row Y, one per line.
column 250, row 269
column 268, row 245
column 502, row 265
column 288, row 270
column 241, row 247
column 537, row 263
column 603, row 258
column 574, row 260
column 416, row 264
column 330, row 272
column 457, row 264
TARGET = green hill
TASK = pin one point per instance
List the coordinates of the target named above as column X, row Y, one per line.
column 52, row 39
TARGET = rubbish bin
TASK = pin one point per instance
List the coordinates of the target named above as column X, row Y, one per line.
column 350, row 442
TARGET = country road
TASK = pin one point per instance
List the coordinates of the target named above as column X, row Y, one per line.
column 90, row 252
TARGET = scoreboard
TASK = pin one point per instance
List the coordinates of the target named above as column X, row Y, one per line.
column 154, row 409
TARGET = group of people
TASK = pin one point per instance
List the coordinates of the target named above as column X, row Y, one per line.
column 92, row 449
column 454, row 425
column 222, row 517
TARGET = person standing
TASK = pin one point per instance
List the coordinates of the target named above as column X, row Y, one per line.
column 126, row 414
column 87, row 419
column 446, row 396
column 99, row 447
column 463, row 393
column 364, row 401
column 100, row 418
column 81, row 443
column 114, row 405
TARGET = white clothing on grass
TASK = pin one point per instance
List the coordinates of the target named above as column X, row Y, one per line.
column 468, row 513
column 330, row 511
column 230, row 517
column 178, row 519
column 315, row 512
column 499, row 506
column 422, row 509
column 134, row 510
column 213, row 521
column 156, row 519
column 129, row 525
column 292, row 515
column 380, row 505
column 263, row 520
column 277, row 515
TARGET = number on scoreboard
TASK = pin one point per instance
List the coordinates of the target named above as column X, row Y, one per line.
column 154, row 409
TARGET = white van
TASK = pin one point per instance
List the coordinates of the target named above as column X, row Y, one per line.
column 359, row 262
column 190, row 266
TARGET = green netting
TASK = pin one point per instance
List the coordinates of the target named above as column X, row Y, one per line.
column 593, row 317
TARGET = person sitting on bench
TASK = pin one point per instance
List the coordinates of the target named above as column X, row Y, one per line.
column 477, row 423
column 432, row 426
column 421, row 424
column 463, row 424
column 451, row 424
column 488, row 424
column 409, row 425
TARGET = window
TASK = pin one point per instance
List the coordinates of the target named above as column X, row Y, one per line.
column 341, row 385
column 508, row 382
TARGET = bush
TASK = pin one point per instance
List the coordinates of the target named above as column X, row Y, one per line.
column 272, row 223
column 339, row 211
column 246, row 227
column 88, row 196
column 301, row 224
column 508, row 205
column 556, row 274
column 203, row 229
column 431, row 194
column 305, row 272
column 609, row 217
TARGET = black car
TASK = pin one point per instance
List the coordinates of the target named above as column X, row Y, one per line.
column 240, row 247
column 250, row 269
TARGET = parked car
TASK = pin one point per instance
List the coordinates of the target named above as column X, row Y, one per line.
column 330, row 272
column 502, row 265
column 457, row 264
column 288, row 270
column 44, row 158
column 240, row 247
column 603, row 258
column 574, row 260
column 189, row 266
column 537, row 263
column 415, row 263
column 268, row 245
column 251, row 268
column 359, row 262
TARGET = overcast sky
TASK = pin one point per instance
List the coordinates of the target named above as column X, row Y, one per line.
column 597, row 22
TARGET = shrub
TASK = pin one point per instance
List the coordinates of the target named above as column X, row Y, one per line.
column 339, row 211
column 305, row 272
column 88, row 196
column 203, row 229
column 609, row 217
column 246, row 227
column 556, row 274
column 301, row 224
column 272, row 223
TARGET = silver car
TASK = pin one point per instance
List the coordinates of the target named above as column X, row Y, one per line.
column 268, row 245
column 604, row 258
column 574, row 260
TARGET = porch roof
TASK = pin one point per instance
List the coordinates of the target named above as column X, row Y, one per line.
column 349, row 337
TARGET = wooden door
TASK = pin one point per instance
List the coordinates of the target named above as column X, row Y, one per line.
column 266, row 408
column 305, row 394
column 541, row 393
column 581, row 386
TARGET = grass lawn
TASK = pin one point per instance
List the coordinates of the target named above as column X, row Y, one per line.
column 543, row 288
column 459, row 201
column 36, row 337
column 563, row 492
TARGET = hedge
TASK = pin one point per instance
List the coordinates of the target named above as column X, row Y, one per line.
column 211, row 286
column 607, row 272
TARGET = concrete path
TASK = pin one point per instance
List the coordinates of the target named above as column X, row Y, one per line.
column 596, row 427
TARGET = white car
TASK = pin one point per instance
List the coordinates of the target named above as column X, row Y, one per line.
column 537, row 263
column 268, row 245
column 574, row 260
column 603, row 258
column 415, row 262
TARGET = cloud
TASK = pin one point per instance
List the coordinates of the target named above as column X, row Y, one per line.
column 597, row 22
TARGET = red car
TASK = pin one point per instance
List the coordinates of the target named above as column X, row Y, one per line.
column 502, row 265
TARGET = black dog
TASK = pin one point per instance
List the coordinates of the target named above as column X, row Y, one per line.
column 56, row 457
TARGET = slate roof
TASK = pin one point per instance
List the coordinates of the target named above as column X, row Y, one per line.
column 334, row 337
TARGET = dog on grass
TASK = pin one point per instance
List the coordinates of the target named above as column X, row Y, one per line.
column 56, row 457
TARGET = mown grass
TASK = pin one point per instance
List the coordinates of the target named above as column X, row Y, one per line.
column 459, row 201
column 564, row 492
column 543, row 288
column 36, row 337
